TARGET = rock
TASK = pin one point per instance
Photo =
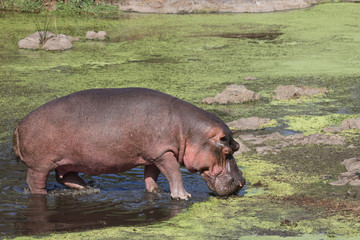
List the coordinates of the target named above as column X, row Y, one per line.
column 251, row 123
column 33, row 41
column 352, row 166
column 266, row 150
column 233, row 94
column 355, row 182
column 331, row 129
column 293, row 92
column 189, row 6
column 70, row 38
column 350, row 124
column 51, row 41
column 102, row 35
column 340, row 182
column 29, row 43
column 91, row 35
column 345, row 125
column 274, row 142
column 58, row 43
column 41, row 34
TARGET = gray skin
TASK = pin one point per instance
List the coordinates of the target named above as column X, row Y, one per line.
column 103, row 131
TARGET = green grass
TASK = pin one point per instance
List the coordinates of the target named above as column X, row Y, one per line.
column 69, row 7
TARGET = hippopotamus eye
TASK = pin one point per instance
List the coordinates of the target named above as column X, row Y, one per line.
column 223, row 139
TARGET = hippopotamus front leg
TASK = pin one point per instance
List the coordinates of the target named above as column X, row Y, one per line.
column 169, row 167
column 151, row 174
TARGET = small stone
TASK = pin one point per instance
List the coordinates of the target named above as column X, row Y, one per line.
column 90, row 35
column 101, row 35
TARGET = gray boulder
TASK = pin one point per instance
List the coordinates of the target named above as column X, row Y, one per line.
column 101, row 35
column 233, row 94
column 345, row 125
column 251, row 123
column 29, row 43
column 350, row 177
column 293, row 92
column 47, row 41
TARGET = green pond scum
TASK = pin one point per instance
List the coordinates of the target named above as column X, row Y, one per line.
column 196, row 56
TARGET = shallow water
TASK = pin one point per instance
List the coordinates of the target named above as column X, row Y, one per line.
column 111, row 200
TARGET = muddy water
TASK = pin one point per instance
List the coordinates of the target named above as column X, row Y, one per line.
column 111, row 200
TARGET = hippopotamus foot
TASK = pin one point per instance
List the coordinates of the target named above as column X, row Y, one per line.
column 169, row 167
column 71, row 180
column 151, row 174
column 36, row 181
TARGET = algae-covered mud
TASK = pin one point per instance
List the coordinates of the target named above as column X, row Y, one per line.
column 194, row 57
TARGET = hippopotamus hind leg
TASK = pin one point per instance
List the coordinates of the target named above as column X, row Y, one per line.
column 36, row 181
column 71, row 180
column 151, row 174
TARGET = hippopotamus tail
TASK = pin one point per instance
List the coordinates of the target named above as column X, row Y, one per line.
column 16, row 145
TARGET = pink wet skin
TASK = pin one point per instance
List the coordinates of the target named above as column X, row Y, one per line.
column 102, row 131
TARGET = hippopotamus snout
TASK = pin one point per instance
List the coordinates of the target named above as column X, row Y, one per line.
column 230, row 180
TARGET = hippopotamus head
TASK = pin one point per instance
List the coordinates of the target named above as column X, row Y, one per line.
column 215, row 161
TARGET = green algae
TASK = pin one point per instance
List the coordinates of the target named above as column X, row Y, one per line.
column 314, row 124
column 271, row 124
column 189, row 57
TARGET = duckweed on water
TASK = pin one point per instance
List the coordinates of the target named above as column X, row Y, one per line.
column 189, row 57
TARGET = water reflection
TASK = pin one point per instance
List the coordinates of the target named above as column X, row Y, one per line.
column 112, row 200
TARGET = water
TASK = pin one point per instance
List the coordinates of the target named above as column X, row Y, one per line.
column 111, row 200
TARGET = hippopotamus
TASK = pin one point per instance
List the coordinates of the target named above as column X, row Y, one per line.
column 104, row 131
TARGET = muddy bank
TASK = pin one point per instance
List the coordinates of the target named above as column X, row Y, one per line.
column 191, row 6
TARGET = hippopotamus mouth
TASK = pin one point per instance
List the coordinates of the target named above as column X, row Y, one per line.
column 227, row 182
